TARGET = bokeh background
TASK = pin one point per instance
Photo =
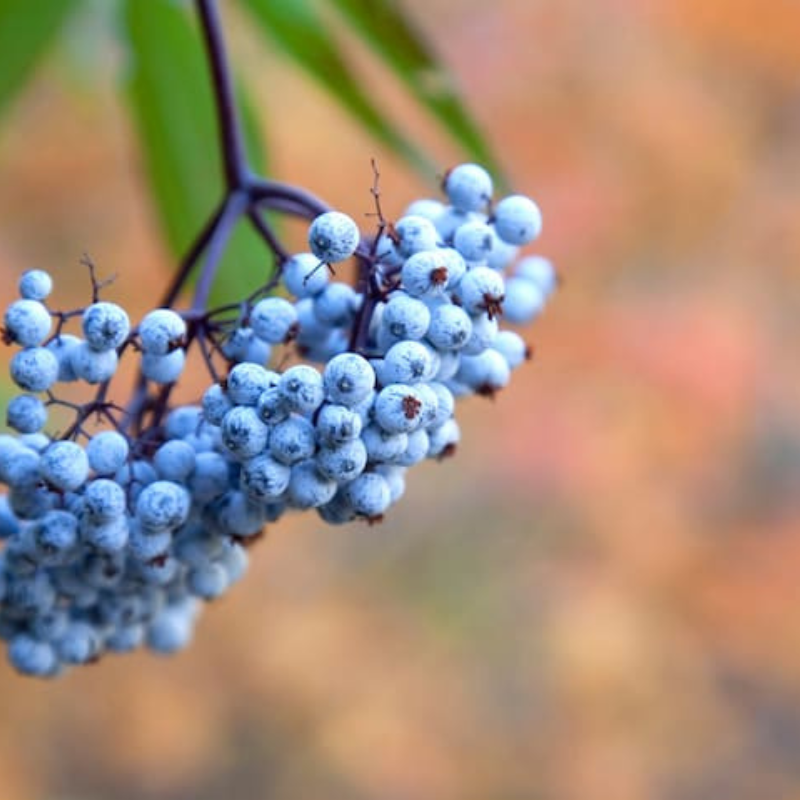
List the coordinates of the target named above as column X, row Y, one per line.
column 599, row 597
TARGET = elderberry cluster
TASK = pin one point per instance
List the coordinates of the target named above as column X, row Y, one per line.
column 323, row 393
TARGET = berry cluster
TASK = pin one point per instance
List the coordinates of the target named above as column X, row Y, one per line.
column 322, row 395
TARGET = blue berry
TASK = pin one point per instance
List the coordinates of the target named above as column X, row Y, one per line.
column 161, row 331
column 207, row 581
column 80, row 643
column 348, row 379
column 31, row 656
column 107, row 451
column 369, row 495
column 336, row 304
column 540, row 271
column 61, row 347
column 344, row 462
column 162, row 506
column 216, row 404
column 247, row 381
column 523, row 302
column 485, row 373
column 264, row 478
column 243, row 433
column 406, row 317
column 382, row 445
column 35, row 284
column 333, row 237
column 304, row 275
column 450, row 328
column 482, row 290
column 302, row 388
column 109, row 536
column 34, row 369
column 427, row 207
column 512, row 347
column 27, row 322
column 105, row 325
column 468, row 187
column 415, row 235
column 274, row 319
column 104, row 500
column 244, row 346
column 56, row 535
column 184, row 421
column 308, row 488
column 407, row 362
column 170, row 631
column 92, row 366
column 64, row 466
column 210, row 479
column 398, row 408
column 26, row 413
column 517, row 219
column 443, row 439
column 163, row 369
column 273, row 406
column 292, row 440
column 474, row 241
column 484, row 332
column 337, row 424
column 425, row 274
column 174, row 460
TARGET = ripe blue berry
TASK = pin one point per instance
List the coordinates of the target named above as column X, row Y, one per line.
column 27, row 322
column 302, row 388
column 105, row 325
column 450, row 328
column 93, row 366
column 415, row 235
column 162, row 506
column 107, row 451
column 398, row 408
column 35, row 284
column 468, row 187
column 243, row 433
column 369, row 495
column 273, row 319
column 64, row 466
column 523, row 302
column 247, row 381
column 163, row 369
column 34, row 369
column 474, row 241
column 540, row 271
column 333, row 237
column 406, row 317
column 292, row 440
column 26, row 413
column 517, row 219
column 348, row 379
column 161, row 331
column 304, row 275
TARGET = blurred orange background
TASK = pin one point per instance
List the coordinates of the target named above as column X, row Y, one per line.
column 599, row 597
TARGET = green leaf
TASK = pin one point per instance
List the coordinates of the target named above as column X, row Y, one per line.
column 26, row 29
column 172, row 104
column 303, row 35
column 392, row 35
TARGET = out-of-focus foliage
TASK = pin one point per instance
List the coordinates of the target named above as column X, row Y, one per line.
column 171, row 98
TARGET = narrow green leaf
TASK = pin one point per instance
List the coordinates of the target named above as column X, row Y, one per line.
column 385, row 26
column 26, row 29
column 302, row 34
column 172, row 104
